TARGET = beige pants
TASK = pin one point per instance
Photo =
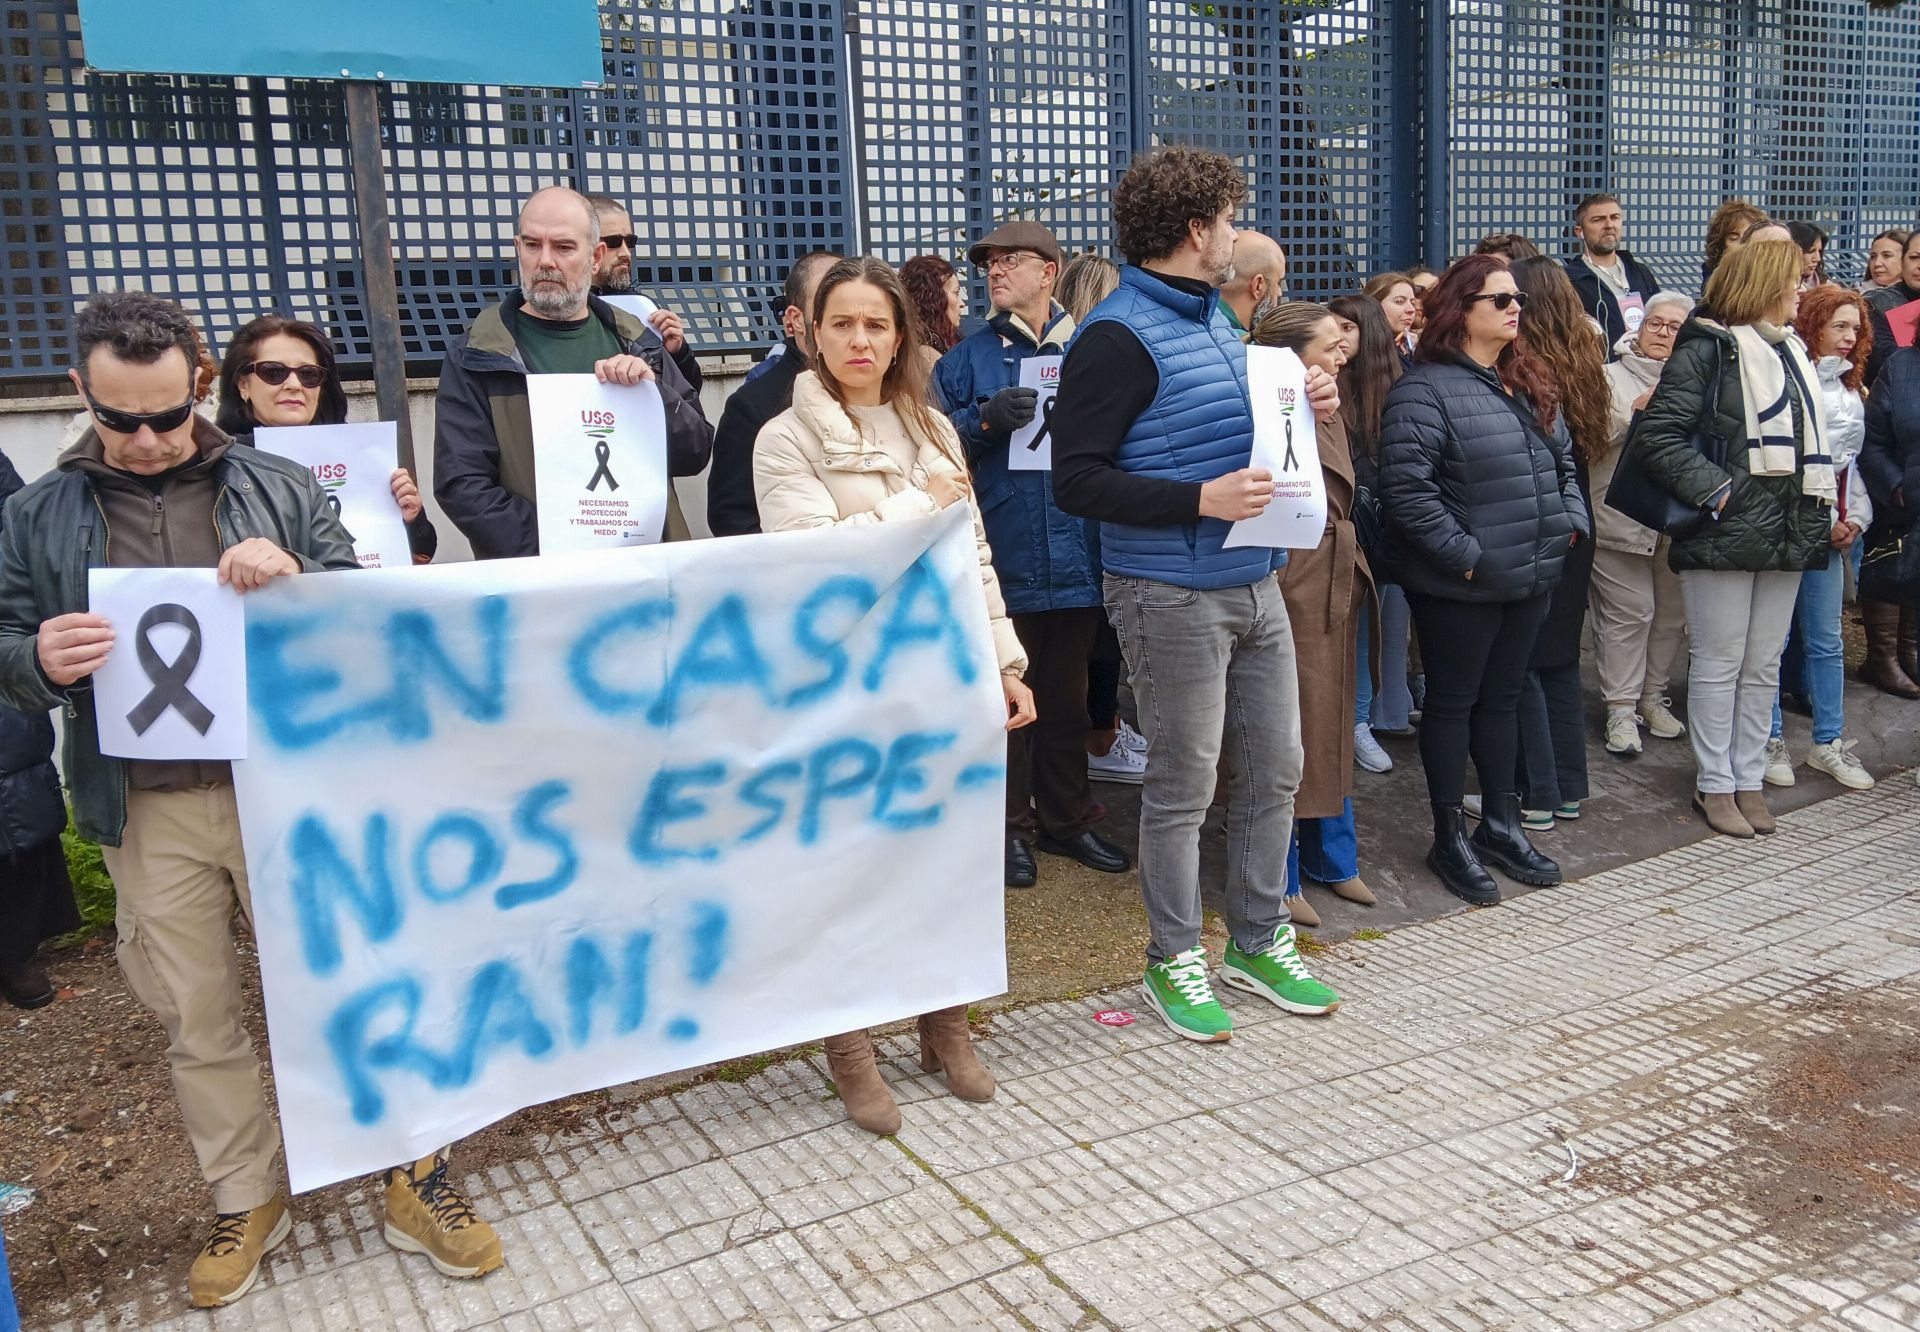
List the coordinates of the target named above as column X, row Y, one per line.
column 177, row 871
column 1639, row 623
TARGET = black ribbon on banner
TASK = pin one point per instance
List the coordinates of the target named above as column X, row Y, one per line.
column 169, row 678
column 602, row 452
column 333, row 502
column 1046, row 424
column 1290, row 463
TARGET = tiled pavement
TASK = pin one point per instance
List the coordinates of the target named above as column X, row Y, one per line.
column 1394, row 1167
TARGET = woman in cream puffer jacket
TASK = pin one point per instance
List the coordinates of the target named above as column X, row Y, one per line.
column 859, row 445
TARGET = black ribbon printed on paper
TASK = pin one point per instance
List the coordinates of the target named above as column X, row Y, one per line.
column 1290, row 463
column 1046, row 424
column 169, row 679
column 602, row 452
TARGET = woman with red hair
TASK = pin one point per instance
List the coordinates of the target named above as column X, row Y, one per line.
column 1834, row 324
column 1481, row 505
column 933, row 286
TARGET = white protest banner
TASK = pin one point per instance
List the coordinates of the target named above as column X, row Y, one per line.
column 524, row 828
column 175, row 684
column 1284, row 444
column 599, row 462
column 1031, row 448
column 354, row 465
column 634, row 304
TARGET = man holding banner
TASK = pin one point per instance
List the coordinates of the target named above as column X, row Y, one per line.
column 483, row 438
column 154, row 485
column 1039, row 553
column 613, row 276
column 1156, row 438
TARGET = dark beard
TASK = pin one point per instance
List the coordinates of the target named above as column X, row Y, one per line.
column 619, row 280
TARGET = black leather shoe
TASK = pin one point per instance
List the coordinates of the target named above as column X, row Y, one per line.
column 25, row 986
column 1091, row 850
column 1453, row 862
column 1501, row 841
column 1021, row 871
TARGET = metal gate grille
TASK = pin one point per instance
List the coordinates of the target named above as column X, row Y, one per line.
column 746, row 132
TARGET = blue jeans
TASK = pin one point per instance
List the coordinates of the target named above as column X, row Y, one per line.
column 9, row 1315
column 1328, row 848
column 1388, row 710
column 1817, row 617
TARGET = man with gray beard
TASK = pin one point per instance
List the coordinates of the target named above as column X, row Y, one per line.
column 483, row 434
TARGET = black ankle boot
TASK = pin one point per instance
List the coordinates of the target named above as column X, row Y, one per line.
column 1502, row 842
column 1452, row 859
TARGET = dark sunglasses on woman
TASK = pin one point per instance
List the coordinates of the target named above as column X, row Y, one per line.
column 275, row 374
column 129, row 423
column 1502, row 300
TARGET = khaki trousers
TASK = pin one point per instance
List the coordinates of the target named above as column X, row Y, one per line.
column 1639, row 622
column 177, row 871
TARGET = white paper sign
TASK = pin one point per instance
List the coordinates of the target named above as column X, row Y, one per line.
column 525, row 828
column 354, row 465
column 599, row 462
column 175, row 684
column 1031, row 448
column 634, row 304
column 1284, row 444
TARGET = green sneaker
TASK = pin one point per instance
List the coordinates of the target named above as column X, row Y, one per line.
column 1178, row 990
column 1277, row 973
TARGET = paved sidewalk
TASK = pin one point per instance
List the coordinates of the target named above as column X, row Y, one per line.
column 1728, row 1036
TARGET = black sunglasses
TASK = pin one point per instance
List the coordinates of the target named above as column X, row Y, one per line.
column 129, row 423
column 275, row 374
column 1501, row 299
column 618, row 242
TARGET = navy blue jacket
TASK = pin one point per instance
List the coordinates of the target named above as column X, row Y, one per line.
column 31, row 806
column 1041, row 555
column 1600, row 301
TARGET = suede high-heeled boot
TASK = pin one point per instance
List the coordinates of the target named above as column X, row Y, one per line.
column 869, row 1102
column 946, row 1043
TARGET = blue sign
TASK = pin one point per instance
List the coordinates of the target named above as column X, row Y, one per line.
column 528, row 43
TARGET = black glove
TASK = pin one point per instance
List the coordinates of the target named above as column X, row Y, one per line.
column 1009, row 409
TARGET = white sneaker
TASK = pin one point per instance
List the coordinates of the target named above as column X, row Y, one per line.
column 1835, row 758
column 1126, row 735
column 1623, row 733
column 1471, row 804
column 1661, row 723
column 1779, row 763
column 1367, row 752
column 1119, row 764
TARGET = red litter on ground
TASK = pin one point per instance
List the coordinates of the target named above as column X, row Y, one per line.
column 1114, row 1017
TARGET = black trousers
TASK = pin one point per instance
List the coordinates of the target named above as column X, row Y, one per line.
column 36, row 901
column 1553, row 738
column 1103, row 680
column 1476, row 656
column 1047, row 761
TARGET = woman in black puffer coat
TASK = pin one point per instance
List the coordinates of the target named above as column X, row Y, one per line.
column 1481, row 506
column 36, row 896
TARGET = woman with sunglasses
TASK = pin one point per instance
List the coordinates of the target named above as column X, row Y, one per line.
column 281, row 372
column 1481, row 507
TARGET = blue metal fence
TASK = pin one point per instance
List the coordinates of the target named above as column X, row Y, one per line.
column 746, row 132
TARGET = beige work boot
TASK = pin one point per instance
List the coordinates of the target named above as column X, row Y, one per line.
column 229, row 1263
column 427, row 1214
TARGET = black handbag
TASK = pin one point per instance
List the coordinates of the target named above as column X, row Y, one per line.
column 1890, row 572
column 1634, row 493
column 1370, row 531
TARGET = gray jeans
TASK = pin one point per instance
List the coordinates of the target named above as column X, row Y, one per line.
column 1208, row 667
column 1738, row 622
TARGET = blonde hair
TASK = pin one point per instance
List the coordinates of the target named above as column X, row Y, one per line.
column 1087, row 280
column 1751, row 282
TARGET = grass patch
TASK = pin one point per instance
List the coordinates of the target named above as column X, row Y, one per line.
column 1368, row 935
column 1308, row 945
column 92, row 885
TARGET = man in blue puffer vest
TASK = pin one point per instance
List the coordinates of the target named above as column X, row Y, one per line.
column 1039, row 553
column 1154, row 437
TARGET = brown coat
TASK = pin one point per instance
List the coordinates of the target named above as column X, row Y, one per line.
column 1325, row 589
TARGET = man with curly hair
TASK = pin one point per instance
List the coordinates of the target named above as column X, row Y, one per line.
column 1154, row 434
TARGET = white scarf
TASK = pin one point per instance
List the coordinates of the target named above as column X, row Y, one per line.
column 1767, row 355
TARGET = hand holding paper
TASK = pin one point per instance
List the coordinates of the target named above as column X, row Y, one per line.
column 1285, row 455
column 72, row 647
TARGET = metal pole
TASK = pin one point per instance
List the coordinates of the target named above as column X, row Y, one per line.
column 1438, row 137
column 1400, row 26
column 376, row 258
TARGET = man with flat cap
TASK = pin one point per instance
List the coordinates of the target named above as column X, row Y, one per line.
column 1041, row 555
